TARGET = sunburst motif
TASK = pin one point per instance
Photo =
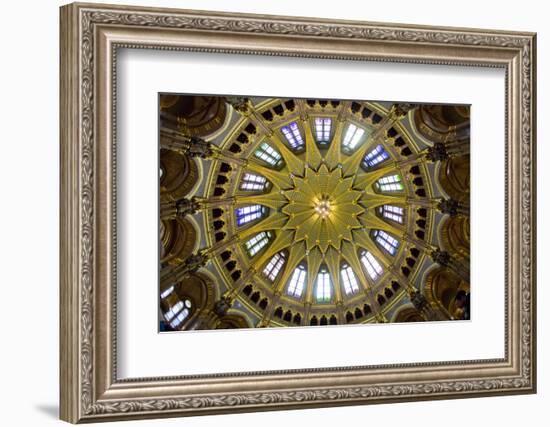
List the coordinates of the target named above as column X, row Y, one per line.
column 322, row 203
column 322, row 208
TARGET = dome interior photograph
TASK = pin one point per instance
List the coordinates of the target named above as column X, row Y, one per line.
column 289, row 212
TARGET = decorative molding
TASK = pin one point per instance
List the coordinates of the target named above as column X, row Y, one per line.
column 87, row 211
column 301, row 396
column 245, row 24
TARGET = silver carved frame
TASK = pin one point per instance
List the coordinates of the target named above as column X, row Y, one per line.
column 90, row 36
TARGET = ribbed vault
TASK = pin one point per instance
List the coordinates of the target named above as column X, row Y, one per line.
column 322, row 212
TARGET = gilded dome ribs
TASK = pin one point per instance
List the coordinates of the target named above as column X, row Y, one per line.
column 279, row 179
column 272, row 200
column 366, row 180
column 296, row 254
column 374, row 222
column 318, row 212
column 313, row 211
column 350, row 254
column 363, row 241
column 333, row 260
column 272, row 222
column 282, row 241
column 322, row 208
column 314, row 261
column 313, row 155
column 292, row 163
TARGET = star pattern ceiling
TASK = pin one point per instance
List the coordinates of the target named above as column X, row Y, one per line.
column 320, row 210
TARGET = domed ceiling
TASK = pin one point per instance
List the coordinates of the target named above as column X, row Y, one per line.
column 295, row 212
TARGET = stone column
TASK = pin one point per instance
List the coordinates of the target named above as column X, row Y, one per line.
column 420, row 302
column 239, row 103
column 219, row 247
column 211, row 203
column 444, row 259
column 178, row 208
column 172, row 275
column 452, row 207
column 171, row 209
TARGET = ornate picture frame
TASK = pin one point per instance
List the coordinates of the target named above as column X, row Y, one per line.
column 90, row 37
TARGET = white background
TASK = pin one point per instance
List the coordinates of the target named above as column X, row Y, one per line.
column 269, row 349
column 29, row 170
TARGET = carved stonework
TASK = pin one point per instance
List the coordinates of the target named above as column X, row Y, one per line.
column 239, row 103
column 402, row 109
column 418, row 300
column 448, row 207
column 187, row 206
column 222, row 306
column 198, row 147
column 441, row 257
column 437, row 152
column 194, row 263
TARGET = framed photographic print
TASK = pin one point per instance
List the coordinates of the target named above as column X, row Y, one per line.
column 316, row 212
column 267, row 212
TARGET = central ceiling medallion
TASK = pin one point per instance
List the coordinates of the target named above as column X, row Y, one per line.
column 322, row 208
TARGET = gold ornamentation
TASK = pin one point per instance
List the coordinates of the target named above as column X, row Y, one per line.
column 320, row 207
column 82, row 340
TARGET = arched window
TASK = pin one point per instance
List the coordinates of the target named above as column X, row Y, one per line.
column 352, row 137
column 375, row 156
column 323, row 290
column 178, row 313
column 348, row 279
column 322, row 130
column 293, row 136
column 266, row 153
column 395, row 213
column 256, row 243
column 166, row 292
column 249, row 213
column 252, row 182
column 389, row 243
column 274, row 266
column 389, row 183
column 373, row 267
column 297, row 281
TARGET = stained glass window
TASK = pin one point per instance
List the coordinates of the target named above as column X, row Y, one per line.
column 252, row 182
column 322, row 130
column 389, row 243
column 249, row 213
column 178, row 313
column 352, row 137
column 266, row 153
column 166, row 292
column 395, row 213
column 390, row 183
column 274, row 266
column 175, row 309
column 293, row 135
column 256, row 243
column 375, row 156
column 373, row 267
column 323, row 289
column 297, row 281
column 349, row 280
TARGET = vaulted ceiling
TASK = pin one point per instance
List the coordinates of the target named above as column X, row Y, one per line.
column 313, row 212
